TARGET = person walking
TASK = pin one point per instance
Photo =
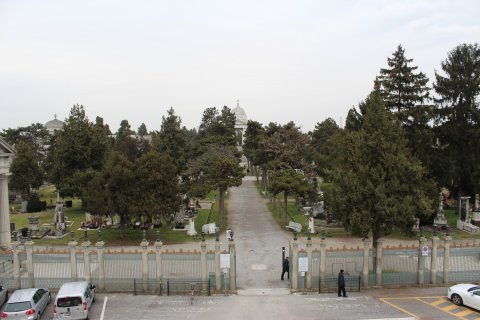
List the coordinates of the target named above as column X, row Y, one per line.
column 286, row 268
column 341, row 284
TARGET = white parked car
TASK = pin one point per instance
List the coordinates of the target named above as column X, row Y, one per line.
column 465, row 294
column 3, row 295
column 26, row 304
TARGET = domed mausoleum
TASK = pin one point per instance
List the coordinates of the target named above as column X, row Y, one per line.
column 54, row 125
column 240, row 123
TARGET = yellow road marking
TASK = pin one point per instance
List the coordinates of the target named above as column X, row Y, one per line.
column 408, row 298
column 436, row 303
column 384, row 300
column 464, row 313
column 449, row 308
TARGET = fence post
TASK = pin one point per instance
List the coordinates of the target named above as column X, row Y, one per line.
column 30, row 271
column 366, row 260
column 323, row 262
column 144, row 245
column 203, row 264
column 72, row 244
column 232, row 271
column 378, row 271
column 421, row 261
column 294, row 262
column 16, row 265
column 86, row 260
column 433, row 262
column 218, row 271
column 134, row 287
column 101, row 267
column 446, row 259
column 158, row 260
column 310, row 264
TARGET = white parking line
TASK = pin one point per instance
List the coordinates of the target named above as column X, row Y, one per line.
column 103, row 309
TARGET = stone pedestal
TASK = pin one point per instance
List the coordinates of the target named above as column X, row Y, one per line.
column 446, row 259
column 433, row 262
column 100, row 245
column 323, row 262
column 73, row 259
column 379, row 261
column 233, row 269
column 158, row 259
column 86, row 261
column 421, row 261
column 144, row 245
column 218, row 270
column 30, row 271
column 310, row 269
column 294, row 265
column 366, row 257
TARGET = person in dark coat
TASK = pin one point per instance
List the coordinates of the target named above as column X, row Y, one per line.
column 285, row 268
column 341, row 284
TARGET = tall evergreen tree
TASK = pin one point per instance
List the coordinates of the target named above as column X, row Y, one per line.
column 75, row 152
column 172, row 139
column 254, row 134
column 458, row 119
column 322, row 146
column 407, row 96
column 379, row 185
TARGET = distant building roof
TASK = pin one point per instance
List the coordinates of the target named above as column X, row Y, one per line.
column 240, row 114
column 53, row 125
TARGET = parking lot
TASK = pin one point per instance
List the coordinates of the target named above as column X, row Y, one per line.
column 276, row 305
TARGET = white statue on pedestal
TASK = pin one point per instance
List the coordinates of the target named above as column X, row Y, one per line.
column 191, row 227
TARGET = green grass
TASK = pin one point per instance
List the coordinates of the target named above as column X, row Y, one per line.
column 112, row 236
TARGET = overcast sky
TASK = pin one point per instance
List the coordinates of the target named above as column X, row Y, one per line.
column 301, row 61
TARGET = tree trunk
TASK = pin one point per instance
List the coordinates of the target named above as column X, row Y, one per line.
column 221, row 204
column 285, row 196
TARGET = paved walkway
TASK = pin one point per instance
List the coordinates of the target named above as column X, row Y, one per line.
column 259, row 239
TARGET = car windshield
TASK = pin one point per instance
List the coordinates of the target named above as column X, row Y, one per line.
column 69, row 302
column 474, row 288
column 18, row 306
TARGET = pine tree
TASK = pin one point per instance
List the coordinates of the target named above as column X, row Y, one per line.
column 378, row 185
column 458, row 119
column 407, row 96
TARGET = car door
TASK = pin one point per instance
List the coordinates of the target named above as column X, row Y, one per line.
column 42, row 300
column 37, row 304
column 472, row 299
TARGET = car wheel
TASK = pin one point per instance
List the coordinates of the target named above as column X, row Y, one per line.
column 456, row 299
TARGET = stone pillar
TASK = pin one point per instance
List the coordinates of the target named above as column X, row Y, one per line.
column 158, row 259
column 446, row 259
column 366, row 260
column 433, row 261
column 421, row 261
column 30, row 270
column 203, row 264
column 144, row 245
column 16, row 266
column 73, row 259
column 218, row 270
column 323, row 262
column 232, row 271
column 310, row 268
column 87, row 273
column 101, row 266
column 294, row 264
column 379, row 262
column 5, row 237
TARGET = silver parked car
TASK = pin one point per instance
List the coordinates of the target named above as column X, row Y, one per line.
column 27, row 304
column 3, row 295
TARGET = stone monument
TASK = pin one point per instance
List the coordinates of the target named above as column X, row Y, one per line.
column 191, row 227
column 59, row 218
column 464, row 218
column 6, row 155
column 440, row 220
column 476, row 211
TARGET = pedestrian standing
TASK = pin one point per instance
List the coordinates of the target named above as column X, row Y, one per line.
column 341, row 284
column 286, row 268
